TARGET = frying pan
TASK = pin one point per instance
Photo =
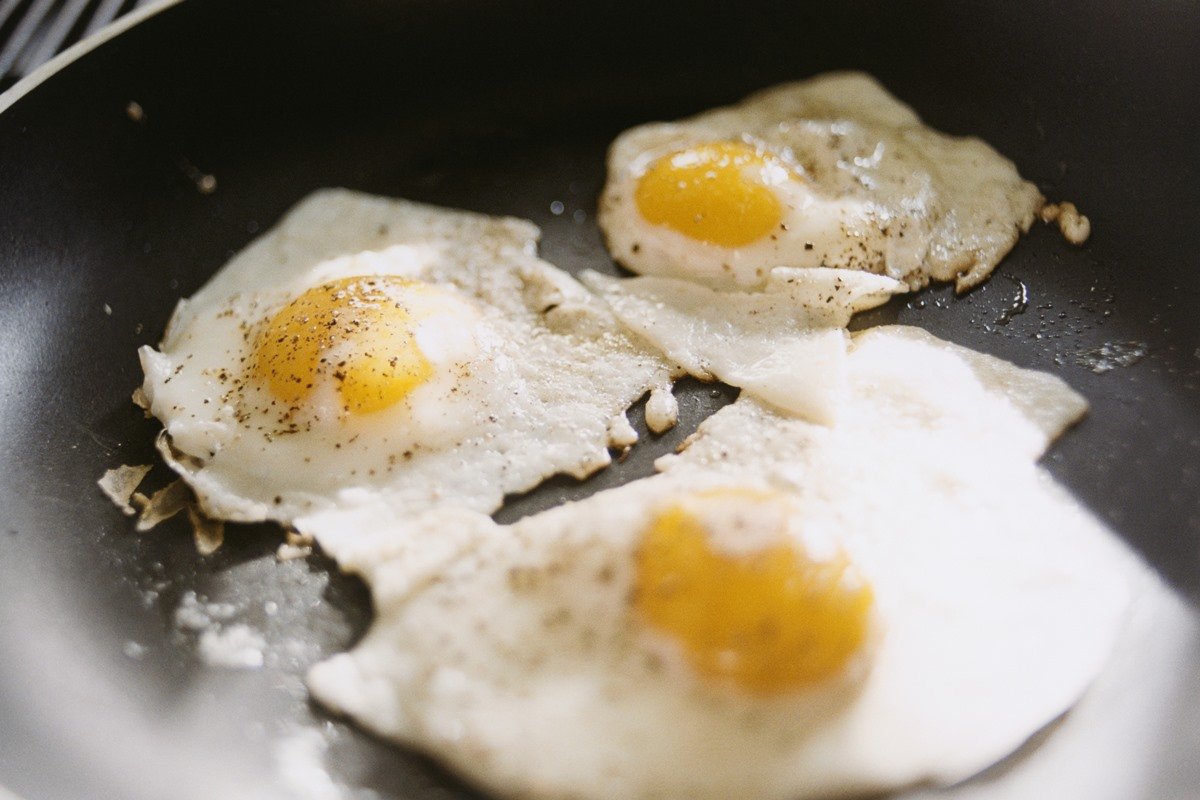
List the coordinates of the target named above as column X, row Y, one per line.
column 505, row 107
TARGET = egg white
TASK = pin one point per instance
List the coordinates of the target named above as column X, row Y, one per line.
column 872, row 188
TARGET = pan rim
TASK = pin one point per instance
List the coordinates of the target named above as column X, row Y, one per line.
column 78, row 50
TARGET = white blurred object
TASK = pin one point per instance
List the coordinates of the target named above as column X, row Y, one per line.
column 34, row 31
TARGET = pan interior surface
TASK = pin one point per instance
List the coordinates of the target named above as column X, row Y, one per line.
column 134, row 173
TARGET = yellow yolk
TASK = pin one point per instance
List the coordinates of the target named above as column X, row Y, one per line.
column 771, row 619
column 358, row 332
column 713, row 192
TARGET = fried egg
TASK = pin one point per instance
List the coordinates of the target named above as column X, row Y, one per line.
column 785, row 344
column 789, row 611
column 374, row 351
column 828, row 172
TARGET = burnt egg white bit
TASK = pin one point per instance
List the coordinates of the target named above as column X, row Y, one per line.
column 827, row 172
column 369, row 350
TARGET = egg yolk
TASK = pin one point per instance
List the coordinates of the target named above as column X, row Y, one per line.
column 358, row 332
column 714, row 193
column 772, row 618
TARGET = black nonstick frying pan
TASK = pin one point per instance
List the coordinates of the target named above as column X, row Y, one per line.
column 130, row 173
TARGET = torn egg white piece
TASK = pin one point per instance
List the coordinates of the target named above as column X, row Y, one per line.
column 784, row 344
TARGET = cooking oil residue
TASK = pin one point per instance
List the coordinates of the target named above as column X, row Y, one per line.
column 1019, row 304
column 1109, row 356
